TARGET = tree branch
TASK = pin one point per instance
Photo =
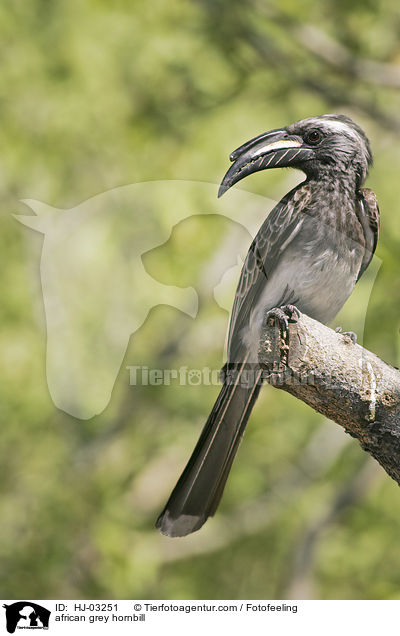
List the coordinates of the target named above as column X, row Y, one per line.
column 337, row 55
column 339, row 379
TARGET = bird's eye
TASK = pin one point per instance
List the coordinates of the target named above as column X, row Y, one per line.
column 313, row 137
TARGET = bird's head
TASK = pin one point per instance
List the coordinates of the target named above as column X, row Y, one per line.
column 318, row 145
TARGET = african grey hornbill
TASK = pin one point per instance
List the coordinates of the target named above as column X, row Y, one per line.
column 309, row 253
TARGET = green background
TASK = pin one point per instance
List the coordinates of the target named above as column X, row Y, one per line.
column 95, row 95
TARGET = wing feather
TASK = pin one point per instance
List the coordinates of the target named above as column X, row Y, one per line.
column 276, row 233
column 369, row 219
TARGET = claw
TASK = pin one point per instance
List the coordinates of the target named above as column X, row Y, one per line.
column 277, row 314
column 284, row 315
column 292, row 312
column 349, row 334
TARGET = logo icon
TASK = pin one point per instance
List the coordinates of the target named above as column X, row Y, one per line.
column 26, row 615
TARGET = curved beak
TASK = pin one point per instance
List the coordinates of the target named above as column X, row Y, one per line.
column 274, row 149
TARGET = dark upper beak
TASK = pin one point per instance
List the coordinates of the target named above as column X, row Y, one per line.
column 270, row 150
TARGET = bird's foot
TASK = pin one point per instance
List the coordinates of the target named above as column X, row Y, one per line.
column 292, row 312
column 284, row 315
column 349, row 334
column 275, row 344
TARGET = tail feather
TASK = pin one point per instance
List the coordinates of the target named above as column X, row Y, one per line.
column 199, row 490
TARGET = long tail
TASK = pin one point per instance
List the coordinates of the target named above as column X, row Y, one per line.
column 198, row 492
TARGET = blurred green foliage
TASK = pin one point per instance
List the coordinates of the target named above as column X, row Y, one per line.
column 94, row 95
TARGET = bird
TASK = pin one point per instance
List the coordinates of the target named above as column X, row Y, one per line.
column 307, row 257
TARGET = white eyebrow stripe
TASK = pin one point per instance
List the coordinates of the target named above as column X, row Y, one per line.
column 278, row 145
column 339, row 126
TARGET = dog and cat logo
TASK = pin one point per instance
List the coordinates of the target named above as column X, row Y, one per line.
column 26, row 615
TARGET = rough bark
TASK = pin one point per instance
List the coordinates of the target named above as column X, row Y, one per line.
column 339, row 379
